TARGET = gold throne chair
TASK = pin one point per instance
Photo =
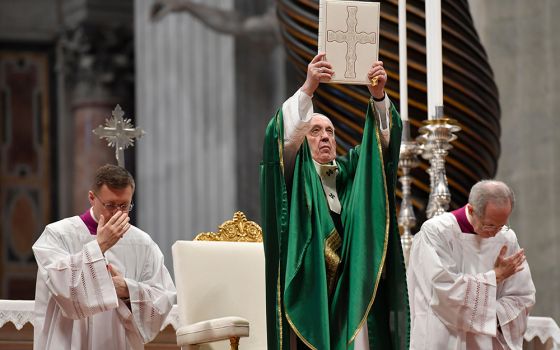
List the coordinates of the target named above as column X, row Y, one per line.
column 221, row 288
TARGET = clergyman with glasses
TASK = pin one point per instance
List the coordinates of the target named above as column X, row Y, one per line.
column 102, row 282
column 469, row 283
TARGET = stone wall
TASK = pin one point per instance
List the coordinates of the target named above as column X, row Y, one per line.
column 521, row 39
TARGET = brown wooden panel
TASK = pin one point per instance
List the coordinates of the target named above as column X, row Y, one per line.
column 25, row 166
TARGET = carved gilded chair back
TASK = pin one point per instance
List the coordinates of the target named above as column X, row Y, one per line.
column 239, row 229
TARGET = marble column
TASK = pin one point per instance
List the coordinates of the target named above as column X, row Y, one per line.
column 186, row 169
column 260, row 88
column 89, row 152
column 97, row 62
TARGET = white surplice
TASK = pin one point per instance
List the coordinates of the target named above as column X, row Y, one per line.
column 76, row 305
column 455, row 302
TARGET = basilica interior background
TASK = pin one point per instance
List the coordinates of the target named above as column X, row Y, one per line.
column 203, row 92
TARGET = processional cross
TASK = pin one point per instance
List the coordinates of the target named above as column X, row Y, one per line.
column 119, row 133
column 351, row 37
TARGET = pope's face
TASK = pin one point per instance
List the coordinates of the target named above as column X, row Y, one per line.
column 321, row 139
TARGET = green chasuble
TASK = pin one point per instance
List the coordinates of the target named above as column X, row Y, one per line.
column 324, row 284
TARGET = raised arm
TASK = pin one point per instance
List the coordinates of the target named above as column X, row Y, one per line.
column 298, row 109
column 381, row 102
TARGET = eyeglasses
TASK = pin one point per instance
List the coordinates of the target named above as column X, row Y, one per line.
column 127, row 207
column 494, row 228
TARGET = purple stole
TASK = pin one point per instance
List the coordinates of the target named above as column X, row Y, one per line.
column 89, row 222
column 461, row 217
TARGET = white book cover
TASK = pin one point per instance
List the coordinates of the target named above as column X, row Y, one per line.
column 349, row 35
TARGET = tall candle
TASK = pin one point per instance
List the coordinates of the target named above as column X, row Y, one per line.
column 433, row 56
column 403, row 75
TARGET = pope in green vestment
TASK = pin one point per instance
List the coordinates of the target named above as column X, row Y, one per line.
column 334, row 263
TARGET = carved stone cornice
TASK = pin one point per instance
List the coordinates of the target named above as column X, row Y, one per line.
column 98, row 61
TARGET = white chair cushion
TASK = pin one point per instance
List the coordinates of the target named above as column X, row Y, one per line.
column 213, row 330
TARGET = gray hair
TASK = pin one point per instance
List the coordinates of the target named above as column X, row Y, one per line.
column 315, row 114
column 494, row 191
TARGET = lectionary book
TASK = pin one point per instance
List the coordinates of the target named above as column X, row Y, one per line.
column 349, row 34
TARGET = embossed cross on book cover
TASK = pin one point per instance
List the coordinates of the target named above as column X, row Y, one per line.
column 349, row 34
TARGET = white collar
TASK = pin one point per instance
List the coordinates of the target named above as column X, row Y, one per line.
column 326, row 170
column 93, row 215
column 469, row 217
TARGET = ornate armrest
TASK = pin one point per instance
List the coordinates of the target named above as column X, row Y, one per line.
column 213, row 330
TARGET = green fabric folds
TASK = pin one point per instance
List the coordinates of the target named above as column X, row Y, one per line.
column 304, row 252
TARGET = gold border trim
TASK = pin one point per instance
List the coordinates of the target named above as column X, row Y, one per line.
column 280, row 141
column 301, row 337
column 279, row 303
column 387, row 222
